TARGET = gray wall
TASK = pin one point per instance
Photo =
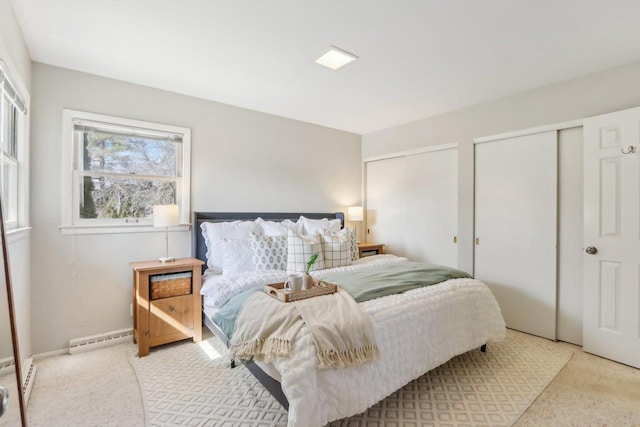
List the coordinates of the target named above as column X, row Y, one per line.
column 599, row 93
column 241, row 161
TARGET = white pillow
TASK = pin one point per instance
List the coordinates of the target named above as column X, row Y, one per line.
column 313, row 226
column 215, row 232
column 237, row 256
column 300, row 248
column 336, row 248
column 268, row 252
column 335, row 225
column 274, row 228
column 353, row 245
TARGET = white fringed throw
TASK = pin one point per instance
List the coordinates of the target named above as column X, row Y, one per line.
column 340, row 328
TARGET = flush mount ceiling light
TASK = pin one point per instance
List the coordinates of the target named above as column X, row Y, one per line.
column 336, row 58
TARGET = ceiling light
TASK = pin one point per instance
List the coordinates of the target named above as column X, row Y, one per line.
column 336, row 58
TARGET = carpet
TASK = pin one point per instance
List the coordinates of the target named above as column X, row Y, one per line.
column 191, row 384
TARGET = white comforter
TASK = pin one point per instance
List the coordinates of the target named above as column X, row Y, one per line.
column 415, row 331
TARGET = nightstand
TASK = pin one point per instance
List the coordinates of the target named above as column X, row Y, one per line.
column 366, row 249
column 166, row 302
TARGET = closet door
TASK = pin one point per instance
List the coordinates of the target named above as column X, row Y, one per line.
column 515, row 228
column 432, row 207
column 386, row 203
column 412, row 205
column 611, row 325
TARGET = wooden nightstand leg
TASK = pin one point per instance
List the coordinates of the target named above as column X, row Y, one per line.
column 196, row 280
column 143, row 313
column 134, row 305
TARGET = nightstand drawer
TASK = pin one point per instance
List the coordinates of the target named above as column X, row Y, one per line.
column 170, row 319
column 366, row 249
column 170, row 285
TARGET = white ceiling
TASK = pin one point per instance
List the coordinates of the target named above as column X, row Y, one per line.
column 417, row 58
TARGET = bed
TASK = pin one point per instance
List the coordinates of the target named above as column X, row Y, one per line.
column 415, row 331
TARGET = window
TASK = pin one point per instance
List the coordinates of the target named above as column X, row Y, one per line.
column 120, row 169
column 12, row 121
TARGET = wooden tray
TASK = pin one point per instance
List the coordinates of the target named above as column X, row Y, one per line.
column 320, row 287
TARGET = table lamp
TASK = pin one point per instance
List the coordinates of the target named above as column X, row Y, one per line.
column 166, row 216
column 355, row 214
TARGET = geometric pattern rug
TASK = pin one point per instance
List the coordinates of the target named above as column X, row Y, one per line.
column 192, row 384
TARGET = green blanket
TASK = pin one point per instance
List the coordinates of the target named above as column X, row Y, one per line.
column 363, row 285
column 392, row 279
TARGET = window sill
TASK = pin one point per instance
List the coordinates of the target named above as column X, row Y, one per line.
column 16, row 234
column 118, row 229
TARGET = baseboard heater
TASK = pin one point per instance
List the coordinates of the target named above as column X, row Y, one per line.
column 94, row 342
column 7, row 366
column 28, row 378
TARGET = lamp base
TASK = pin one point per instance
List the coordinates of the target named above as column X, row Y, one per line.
column 166, row 259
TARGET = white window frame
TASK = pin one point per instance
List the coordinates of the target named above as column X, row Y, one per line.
column 71, row 221
column 19, row 97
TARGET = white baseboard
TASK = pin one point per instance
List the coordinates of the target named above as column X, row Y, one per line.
column 52, row 353
column 7, row 366
column 94, row 342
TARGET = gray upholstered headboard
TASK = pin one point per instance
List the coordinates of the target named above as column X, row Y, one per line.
column 198, row 246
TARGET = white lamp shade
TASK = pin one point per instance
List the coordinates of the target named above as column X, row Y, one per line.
column 166, row 215
column 355, row 213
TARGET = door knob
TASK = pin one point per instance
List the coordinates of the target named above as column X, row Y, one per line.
column 591, row 250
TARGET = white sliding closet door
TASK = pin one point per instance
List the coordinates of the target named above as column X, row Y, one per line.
column 386, row 208
column 516, row 228
column 432, row 207
column 412, row 205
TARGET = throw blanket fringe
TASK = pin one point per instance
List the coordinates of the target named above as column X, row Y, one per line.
column 262, row 349
column 341, row 359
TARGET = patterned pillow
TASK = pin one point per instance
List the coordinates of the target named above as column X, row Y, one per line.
column 353, row 244
column 336, row 247
column 269, row 252
column 299, row 250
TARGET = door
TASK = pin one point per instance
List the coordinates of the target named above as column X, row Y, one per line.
column 11, row 397
column 432, row 207
column 516, row 228
column 412, row 205
column 8, row 379
column 386, row 204
column 611, row 262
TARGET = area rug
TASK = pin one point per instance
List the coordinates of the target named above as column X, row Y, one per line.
column 192, row 384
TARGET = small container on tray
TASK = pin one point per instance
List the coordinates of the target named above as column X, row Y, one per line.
column 320, row 287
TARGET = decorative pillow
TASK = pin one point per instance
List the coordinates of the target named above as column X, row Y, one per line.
column 336, row 247
column 299, row 250
column 353, row 245
column 237, row 256
column 269, row 252
column 215, row 232
column 274, row 228
column 313, row 226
